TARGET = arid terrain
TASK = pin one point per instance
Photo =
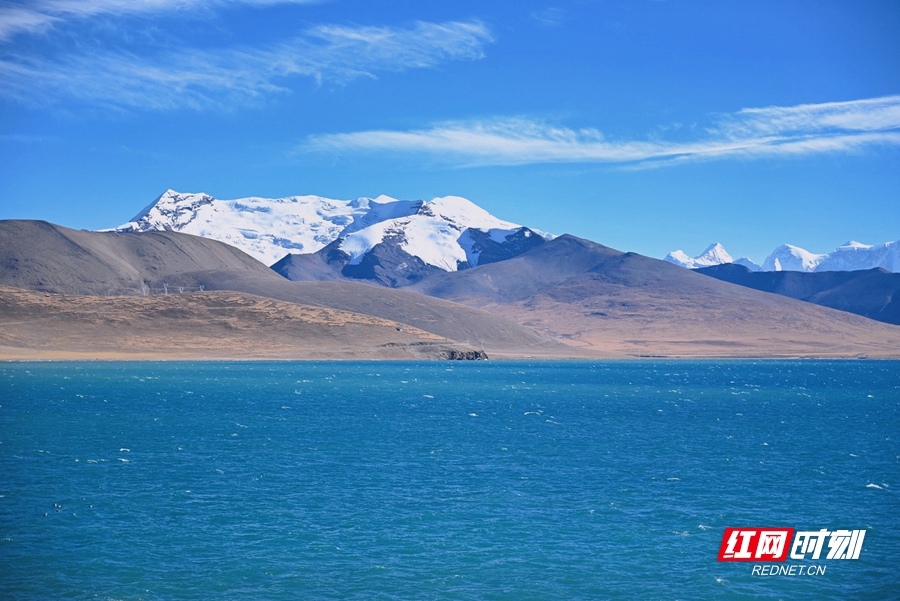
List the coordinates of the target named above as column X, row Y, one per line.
column 623, row 304
column 67, row 294
column 200, row 325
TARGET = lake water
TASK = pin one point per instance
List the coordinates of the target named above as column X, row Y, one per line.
column 439, row 480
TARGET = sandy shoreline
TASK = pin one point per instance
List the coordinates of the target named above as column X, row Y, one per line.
column 8, row 355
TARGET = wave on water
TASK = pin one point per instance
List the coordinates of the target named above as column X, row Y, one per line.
column 363, row 490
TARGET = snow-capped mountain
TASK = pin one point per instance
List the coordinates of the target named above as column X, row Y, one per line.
column 445, row 233
column 264, row 228
column 715, row 254
column 788, row 257
column 852, row 256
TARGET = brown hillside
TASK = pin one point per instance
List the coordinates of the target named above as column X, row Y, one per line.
column 199, row 325
column 37, row 255
column 625, row 304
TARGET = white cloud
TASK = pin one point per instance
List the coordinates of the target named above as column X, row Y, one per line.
column 857, row 115
column 16, row 19
column 550, row 16
column 771, row 131
column 201, row 78
column 41, row 15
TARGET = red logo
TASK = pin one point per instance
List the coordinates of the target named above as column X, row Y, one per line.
column 756, row 544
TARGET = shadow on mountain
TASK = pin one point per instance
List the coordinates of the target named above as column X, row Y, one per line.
column 872, row 293
column 389, row 264
column 386, row 264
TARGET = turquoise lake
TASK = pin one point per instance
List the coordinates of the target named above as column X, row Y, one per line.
column 441, row 480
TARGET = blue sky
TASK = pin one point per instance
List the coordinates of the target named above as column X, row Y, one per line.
column 644, row 125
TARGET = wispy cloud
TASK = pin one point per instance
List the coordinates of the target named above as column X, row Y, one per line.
column 550, row 16
column 771, row 131
column 202, row 78
column 41, row 15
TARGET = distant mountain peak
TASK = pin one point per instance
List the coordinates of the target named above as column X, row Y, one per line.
column 715, row 254
column 850, row 256
column 788, row 257
column 746, row 262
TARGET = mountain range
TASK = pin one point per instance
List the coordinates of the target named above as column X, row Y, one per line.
column 382, row 278
column 851, row 256
column 626, row 304
column 715, row 254
column 399, row 242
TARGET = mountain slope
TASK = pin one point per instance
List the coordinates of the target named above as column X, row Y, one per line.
column 50, row 258
column 626, row 304
column 493, row 333
column 42, row 256
column 208, row 325
column 872, row 293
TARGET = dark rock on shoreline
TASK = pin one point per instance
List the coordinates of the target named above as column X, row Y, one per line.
column 456, row 355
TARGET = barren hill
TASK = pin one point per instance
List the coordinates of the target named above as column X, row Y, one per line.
column 618, row 303
column 496, row 334
column 37, row 255
column 50, row 258
column 200, row 325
